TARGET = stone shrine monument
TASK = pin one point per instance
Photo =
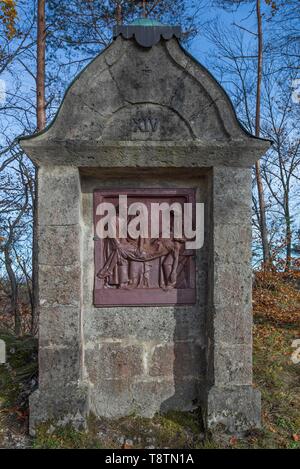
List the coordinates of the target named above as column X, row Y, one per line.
column 144, row 326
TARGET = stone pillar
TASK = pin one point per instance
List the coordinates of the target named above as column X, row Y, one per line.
column 60, row 393
column 230, row 399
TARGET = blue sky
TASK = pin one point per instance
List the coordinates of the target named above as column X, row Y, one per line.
column 242, row 16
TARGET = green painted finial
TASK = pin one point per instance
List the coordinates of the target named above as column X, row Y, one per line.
column 146, row 22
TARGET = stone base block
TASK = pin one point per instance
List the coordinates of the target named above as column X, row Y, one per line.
column 237, row 408
column 66, row 405
column 120, row 398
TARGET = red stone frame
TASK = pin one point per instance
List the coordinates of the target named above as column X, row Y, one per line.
column 149, row 296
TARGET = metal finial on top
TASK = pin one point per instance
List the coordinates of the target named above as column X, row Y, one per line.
column 147, row 32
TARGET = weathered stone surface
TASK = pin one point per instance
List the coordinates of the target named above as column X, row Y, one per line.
column 162, row 361
column 232, row 364
column 59, row 285
column 58, row 245
column 232, row 284
column 232, row 243
column 186, row 395
column 146, row 122
column 59, row 196
column 231, row 401
column 67, row 405
column 162, row 76
column 59, row 366
column 232, row 196
column 236, row 408
column 59, row 325
column 133, row 156
column 178, row 359
column 198, row 72
column 115, row 400
column 155, row 324
column 233, row 323
column 114, row 361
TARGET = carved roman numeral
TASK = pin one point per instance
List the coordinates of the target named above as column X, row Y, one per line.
column 145, row 124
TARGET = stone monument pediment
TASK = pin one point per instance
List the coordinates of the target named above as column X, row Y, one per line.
column 135, row 94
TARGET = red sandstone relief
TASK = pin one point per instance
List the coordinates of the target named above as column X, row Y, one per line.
column 143, row 271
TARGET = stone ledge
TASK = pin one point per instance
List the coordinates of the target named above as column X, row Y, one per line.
column 120, row 154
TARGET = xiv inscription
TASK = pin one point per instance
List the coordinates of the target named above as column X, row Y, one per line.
column 145, row 124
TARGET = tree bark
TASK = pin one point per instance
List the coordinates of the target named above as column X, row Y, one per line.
column 288, row 234
column 260, row 188
column 41, row 123
column 14, row 300
column 144, row 9
column 41, row 61
column 119, row 13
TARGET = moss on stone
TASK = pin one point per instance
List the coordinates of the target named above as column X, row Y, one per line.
column 173, row 430
column 50, row 437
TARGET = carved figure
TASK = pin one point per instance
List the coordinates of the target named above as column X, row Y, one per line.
column 128, row 262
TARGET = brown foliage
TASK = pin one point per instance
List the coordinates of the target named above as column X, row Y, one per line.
column 276, row 296
column 8, row 16
column 7, row 318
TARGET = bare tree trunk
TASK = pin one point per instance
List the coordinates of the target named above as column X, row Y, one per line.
column 119, row 13
column 260, row 188
column 288, row 234
column 144, row 9
column 14, row 291
column 28, row 281
column 41, row 60
column 41, row 123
